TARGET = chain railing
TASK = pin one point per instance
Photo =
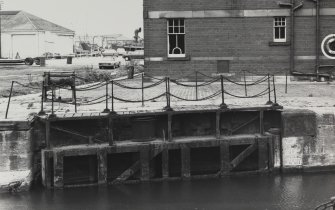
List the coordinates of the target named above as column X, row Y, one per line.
column 216, row 84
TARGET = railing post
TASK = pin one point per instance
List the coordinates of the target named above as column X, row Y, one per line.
column 52, row 101
column 223, row 104
column 274, row 90
column 10, row 96
column 142, row 89
column 112, row 84
column 196, row 85
column 167, row 93
column 42, row 112
column 245, row 84
column 269, row 91
column 75, row 95
column 106, row 110
column 286, row 83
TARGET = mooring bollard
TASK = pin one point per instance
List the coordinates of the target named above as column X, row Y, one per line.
column 10, row 96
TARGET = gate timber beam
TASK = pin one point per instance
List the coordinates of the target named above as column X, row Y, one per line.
column 74, row 133
column 142, row 164
column 244, row 124
column 243, row 155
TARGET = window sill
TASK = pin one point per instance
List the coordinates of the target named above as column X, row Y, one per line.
column 186, row 58
column 279, row 43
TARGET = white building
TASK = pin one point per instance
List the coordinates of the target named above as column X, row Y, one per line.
column 30, row 36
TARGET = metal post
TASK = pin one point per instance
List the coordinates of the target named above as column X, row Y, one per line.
column 167, row 93
column 42, row 112
column 106, row 110
column 142, row 90
column 269, row 91
column 75, row 97
column 112, row 112
column 223, row 105
column 52, row 101
column 196, row 85
column 10, row 96
column 286, row 83
column 245, row 84
column 274, row 90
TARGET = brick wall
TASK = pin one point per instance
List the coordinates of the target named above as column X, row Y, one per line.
column 242, row 41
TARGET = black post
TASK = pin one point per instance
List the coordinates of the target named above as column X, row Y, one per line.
column 245, row 84
column 52, row 101
column 74, row 92
column 269, row 91
column 196, row 85
column 274, row 90
column 286, row 83
column 106, row 110
column 142, row 89
column 167, row 93
column 223, row 104
column 10, row 96
column 112, row 112
column 42, row 112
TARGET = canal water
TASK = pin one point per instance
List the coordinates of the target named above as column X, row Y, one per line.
column 247, row 192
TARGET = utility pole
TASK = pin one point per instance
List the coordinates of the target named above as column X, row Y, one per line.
column 1, row 3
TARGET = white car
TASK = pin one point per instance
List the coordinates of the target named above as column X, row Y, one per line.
column 121, row 51
column 109, row 52
column 109, row 63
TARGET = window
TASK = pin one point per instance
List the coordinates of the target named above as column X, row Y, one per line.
column 176, row 38
column 279, row 29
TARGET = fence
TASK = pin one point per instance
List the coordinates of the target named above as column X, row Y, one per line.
column 110, row 94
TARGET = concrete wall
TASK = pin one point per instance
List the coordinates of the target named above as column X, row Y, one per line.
column 308, row 139
column 15, row 146
column 240, row 32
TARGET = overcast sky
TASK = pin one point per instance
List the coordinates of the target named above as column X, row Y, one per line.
column 94, row 17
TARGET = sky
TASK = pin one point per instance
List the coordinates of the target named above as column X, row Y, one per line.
column 92, row 17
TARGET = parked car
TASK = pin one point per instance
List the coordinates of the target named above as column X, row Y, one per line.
column 121, row 51
column 137, row 54
column 109, row 52
column 109, row 63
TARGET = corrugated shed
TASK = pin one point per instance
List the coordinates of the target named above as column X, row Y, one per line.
column 24, row 21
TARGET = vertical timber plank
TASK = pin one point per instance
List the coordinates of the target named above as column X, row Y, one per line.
column 58, row 169
column 46, row 168
column 165, row 163
column 271, row 152
column 185, row 162
column 225, row 158
column 145, row 162
column 102, row 166
column 47, row 134
column 262, row 153
column 218, row 115
column 261, row 122
column 169, row 126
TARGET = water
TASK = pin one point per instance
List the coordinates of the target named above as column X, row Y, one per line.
column 248, row 192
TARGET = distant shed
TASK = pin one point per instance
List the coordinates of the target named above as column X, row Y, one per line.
column 26, row 35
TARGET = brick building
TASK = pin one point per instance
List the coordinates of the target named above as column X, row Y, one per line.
column 220, row 36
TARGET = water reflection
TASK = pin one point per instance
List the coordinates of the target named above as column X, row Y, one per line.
column 248, row 192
